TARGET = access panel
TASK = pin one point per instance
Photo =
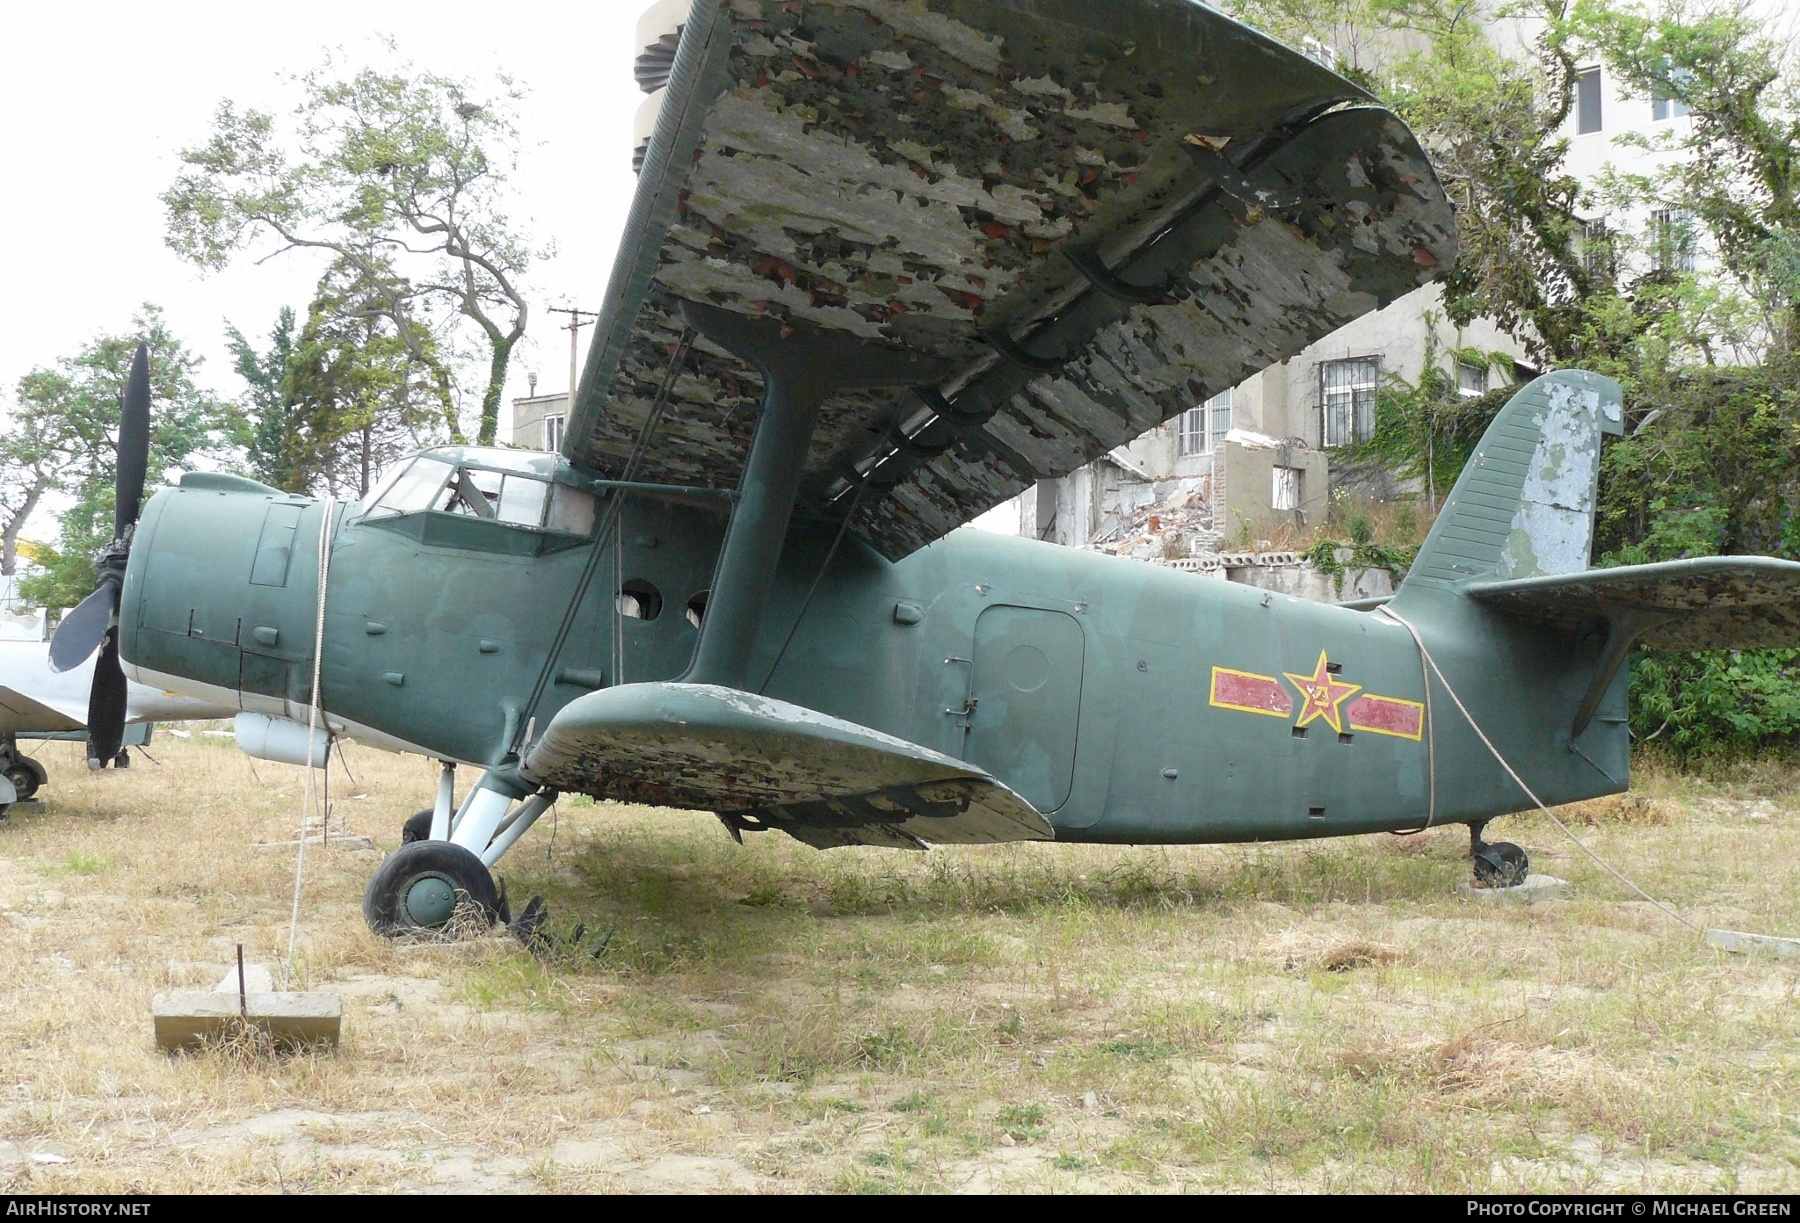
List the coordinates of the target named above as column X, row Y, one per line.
column 1026, row 698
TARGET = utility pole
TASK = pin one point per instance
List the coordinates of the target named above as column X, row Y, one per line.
column 577, row 320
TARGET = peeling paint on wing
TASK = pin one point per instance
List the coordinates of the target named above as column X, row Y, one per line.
column 905, row 172
column 718, row 749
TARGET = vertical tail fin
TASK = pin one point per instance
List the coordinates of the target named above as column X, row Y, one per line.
column 1524, row 505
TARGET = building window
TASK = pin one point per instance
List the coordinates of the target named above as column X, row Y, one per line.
column 1587, row 101
column 1347, row 399
column 1218, row 419
column 1593, row 244
column 1289, row 487
column 1671, row 240
column 553, row 431
column 1471, row 379
column 1664, row 105
column 1192, row 437
column 1203, row 429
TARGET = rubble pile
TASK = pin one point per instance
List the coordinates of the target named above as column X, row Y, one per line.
column 1177, row 523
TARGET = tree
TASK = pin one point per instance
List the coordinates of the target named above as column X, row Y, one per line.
column 1736, row 180
column 358, row 400
column 400, row 176
column 35, row 454
column 80, row 400
column 268, row 408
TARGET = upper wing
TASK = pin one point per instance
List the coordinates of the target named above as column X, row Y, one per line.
column 1097, row 214
column 1708, row 603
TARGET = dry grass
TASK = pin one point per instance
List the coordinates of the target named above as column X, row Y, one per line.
column 1319, row 1016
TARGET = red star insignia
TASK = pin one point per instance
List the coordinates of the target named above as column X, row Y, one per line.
column 1322, row 696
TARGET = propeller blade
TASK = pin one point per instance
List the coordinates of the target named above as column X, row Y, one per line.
column 106, row 706
column 82, row 630
column 134, row 444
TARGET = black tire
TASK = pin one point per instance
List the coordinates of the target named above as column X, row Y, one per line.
column 425, row 886
column 416, row 828
column 1501, row 865
column 26, row 780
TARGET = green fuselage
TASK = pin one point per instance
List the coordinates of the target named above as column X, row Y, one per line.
column 1128, row 702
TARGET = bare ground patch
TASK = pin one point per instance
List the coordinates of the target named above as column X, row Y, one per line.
column 769, row 1018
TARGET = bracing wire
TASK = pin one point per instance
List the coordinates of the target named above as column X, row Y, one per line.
column 1431, row 662
column 610, row 521
column 830, row 555
column 315, row 714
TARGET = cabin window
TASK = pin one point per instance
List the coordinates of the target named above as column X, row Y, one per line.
column 639, row 600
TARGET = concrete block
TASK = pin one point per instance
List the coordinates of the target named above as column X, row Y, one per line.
column 1741, row 943
column 185, row 1019
column 1535, row 888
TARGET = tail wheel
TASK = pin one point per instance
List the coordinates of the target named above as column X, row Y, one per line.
column 425, row 886
column 416, row 828
column 1501, row 865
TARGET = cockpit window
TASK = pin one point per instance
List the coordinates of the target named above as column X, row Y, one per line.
column 515, row 499
column 415, row 490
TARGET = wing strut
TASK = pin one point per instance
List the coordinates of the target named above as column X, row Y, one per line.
column 801, row 367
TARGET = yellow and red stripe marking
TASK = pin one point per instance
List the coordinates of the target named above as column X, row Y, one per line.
column 1387, row 715
column 1249, row 693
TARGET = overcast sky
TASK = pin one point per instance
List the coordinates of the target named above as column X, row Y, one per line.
column 97, row 99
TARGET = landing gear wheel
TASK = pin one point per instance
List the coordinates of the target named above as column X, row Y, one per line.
column 26, row 776
column 416, row 828
column 424, row 885
column 1501, row 865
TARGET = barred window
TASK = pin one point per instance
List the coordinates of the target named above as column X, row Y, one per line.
column 1192, row 436
column 1347, row 399
column 1203, row 429
column 1219, row 419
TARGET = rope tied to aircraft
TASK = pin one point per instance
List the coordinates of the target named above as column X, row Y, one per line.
column 315, row 714
column 1431, row 663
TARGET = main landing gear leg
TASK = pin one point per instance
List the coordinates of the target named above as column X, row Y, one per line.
column 445, row 884
column 1498, row 865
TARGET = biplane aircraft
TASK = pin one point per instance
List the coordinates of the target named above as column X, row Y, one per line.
column 890, row 262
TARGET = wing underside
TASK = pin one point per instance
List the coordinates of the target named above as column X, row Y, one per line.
column 1707, row 603
column 1095, row 215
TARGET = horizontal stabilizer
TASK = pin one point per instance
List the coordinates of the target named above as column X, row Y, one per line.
column 761, row 762
column 1707, row 603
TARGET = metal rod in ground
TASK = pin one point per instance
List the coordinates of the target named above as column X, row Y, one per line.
column 243, row 994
